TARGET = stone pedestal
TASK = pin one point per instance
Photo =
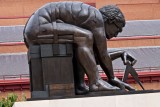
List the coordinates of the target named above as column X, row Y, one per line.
column 130, row 100
column 51, row 70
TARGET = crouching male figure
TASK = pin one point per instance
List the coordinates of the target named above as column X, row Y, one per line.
column 87, row 28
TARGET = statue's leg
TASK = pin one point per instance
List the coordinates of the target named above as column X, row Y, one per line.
column 83, row 40
column 80, row 85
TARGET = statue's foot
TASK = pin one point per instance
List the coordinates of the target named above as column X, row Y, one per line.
column 82, row 89
column 102, row 85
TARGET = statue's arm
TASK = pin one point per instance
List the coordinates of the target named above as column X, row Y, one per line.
column 105, row 59
column 102, row 53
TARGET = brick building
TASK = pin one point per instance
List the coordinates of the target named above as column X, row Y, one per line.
column 141, row 37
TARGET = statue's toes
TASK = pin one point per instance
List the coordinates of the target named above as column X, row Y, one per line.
column 130, row 88
column 108, row 88
column 82, row 89
column 81, row 92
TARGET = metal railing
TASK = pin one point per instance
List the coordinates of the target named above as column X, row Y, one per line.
column 14, row 77
column 22, row 81
column 139, row 70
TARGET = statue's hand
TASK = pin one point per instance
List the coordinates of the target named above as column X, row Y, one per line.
column 122, row 85
column 127, row 58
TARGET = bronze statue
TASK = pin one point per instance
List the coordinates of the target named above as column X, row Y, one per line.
column 87, row 29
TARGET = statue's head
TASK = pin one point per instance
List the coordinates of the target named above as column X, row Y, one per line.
column 114, row 20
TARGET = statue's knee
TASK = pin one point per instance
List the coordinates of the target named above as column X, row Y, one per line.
column 84, row 38
column 89, row 38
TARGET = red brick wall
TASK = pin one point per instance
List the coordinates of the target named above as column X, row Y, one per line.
column 134, row 43
column 136, row 9
column 13, row 8
column 133, row 9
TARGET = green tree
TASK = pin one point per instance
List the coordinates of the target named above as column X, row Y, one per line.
column 9, row 100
